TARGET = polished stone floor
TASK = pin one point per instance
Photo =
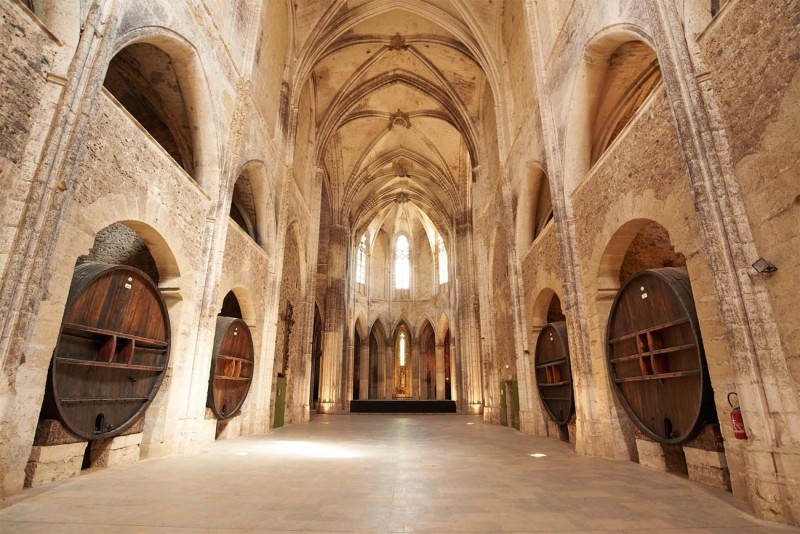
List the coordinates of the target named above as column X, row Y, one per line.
column 379, row 473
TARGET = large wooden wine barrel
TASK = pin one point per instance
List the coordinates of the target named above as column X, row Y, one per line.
column 655, row 356
column 231, row 367
column 553, row 374
column 111, row 354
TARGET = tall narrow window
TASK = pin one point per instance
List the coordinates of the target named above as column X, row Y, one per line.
column 442, row 262
column 402, row 349
column 361, row 261
column 402, row 263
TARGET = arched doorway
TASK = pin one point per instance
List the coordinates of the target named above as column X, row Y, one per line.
column 448, row 381
column 428, row 375
column 401, row 377
column 316, row 357
column 356, row 365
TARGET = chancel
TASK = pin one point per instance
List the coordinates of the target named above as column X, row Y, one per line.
column 399, row 265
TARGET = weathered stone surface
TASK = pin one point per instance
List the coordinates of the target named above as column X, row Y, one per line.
column 53, row 463
column 555, row 148
column 651, row 454
column 708, row 467
column 117, row 451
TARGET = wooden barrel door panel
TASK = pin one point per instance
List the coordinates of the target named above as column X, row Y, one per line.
column 553, row 373
column 112, row 351
column 231, row 367
column 655, row 356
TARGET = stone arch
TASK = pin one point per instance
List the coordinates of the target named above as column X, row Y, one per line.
column 244, row 298
column 423, row 321
column 541, row 310
column 252, row 197
column 379, row 327
column 164, row 259
column 402, row 322
column 586, row 99
column 534, row 207
column 401, row 364
column 377, row 360
column 442, row 327
column 426, row 341
column 360, row 326
column 197, row 104
column 616, row 250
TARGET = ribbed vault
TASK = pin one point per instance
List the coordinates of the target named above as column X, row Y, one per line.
column 397, row 95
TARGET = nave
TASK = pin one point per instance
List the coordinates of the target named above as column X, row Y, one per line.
column 379, row 473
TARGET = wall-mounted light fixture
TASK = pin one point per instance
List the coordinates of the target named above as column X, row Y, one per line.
column 763, row 266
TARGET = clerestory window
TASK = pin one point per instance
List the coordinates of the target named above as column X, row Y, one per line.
column 361, row 261
column 442, row 262
column 402, row 263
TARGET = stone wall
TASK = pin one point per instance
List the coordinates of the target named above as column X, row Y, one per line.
column 106, row 190
column 703, row 175
column 26, row 105
column 288, row 360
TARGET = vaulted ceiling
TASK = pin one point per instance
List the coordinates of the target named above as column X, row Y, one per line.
column 398, row 89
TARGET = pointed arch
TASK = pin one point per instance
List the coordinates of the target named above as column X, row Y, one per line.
column 442, row 327
column 200, row 107
column 360, row 326
column 253, row 192
column 586, row 95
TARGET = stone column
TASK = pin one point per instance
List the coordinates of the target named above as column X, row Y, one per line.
column 363, row 378
column 388, row 366
column 332, row 355
column 766, row 466
column 453, row 383
column 440, row 382
column 468, row 313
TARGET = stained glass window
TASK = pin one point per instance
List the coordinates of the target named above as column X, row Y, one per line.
column 442, row 262
column 361, row 261
column 402, row 263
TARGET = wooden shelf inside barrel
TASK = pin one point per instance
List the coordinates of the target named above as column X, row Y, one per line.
column 89, row 332
column 553, row 374
column 655, row 356
column 111, row 354
column 127, row 366
column 231, row 367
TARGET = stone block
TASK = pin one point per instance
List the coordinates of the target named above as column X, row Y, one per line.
column 117, row 451
column 674, row 458
column 230, row 428
column 708, row 467
column 53, row 432
column 52, row 463
column 552, row 428
column 709, row 438
column 651, row 454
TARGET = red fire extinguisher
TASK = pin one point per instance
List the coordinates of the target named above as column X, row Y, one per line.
column 736, row 419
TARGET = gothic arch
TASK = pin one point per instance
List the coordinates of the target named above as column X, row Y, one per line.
column 200, row 105
column 586, row 92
